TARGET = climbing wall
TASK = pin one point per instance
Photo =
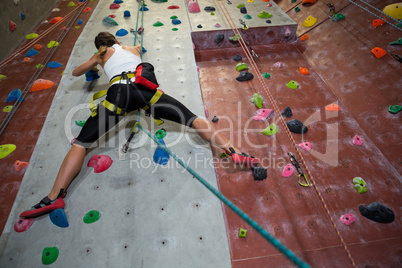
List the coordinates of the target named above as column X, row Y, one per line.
column 150, row 215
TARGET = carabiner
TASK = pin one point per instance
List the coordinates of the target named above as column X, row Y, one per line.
column 294, row 162
column 303, row 184
column 331, row 12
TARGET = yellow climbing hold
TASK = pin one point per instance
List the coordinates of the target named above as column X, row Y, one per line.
column 38, row 66
column 7, row 109
column 2, row 76
column 250, row 1
column 394, row 10
column 31, row 36
column 310, row 21
column 71, row 4
column 52, row 44
column 6, row 149
column 77, row 27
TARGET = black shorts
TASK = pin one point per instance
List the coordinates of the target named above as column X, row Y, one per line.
column 166, row 108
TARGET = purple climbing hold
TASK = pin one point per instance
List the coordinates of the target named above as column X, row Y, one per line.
column 287, row 171
column 244, row 76
column 296, row 126
column 357, row 140
column 215, row 119
column 100, row 163
column 347, row 219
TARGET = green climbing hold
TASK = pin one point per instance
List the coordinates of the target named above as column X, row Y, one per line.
column 266, row 75
column 71, row 4
column 223, row 155
column 31, row 36
column 2, row 76
column 240, row 5
column 338, row 17
column 50, row 255
column 158, row 24
column 264, row 15
column 257, row 100
column 270, row 130
column 159, row 1
column 173, row 17
column 247, row 17
column 292, row 1
column 91, row 216
column 234, row 38
column 38, row 66
column 241, row 66
column 394, row 109
column 175, row 29
column 360, row 185
column 160, row 134
column 292, row 84
column 212, row 13
column 397, row 42
column 242, row 232
column 52, row 44
column 81, row 123
column 7, row 109
column 297, row 9
column 6, row 149
column 110, row 21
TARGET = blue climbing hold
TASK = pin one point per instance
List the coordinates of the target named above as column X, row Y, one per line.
column 127, row 14
column 143, row 50
column 144, row 9
column 22, row 16
column 14, row 95
column 176, row 21
column 31, row 52
column 54, row 64
column 118, row 2
column 161, row 157
column 122, row 32
column 58, row 218
column 91, row 75
column 79, row 21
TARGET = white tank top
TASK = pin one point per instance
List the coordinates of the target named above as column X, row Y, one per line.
column 121, row 61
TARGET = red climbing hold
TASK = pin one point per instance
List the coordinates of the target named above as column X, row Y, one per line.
column 55, row 20
column 114, row 6
column 13, row 26
column 308, row 2
column 173, row 7
column 378, row 22
column 37, row 46
column 87, row 9
column 333, row 107
column 112, row 16
column 40, row 84
column 18, row 165
column 100, row 163
column 21, row 225
column 378, row 52
column 303, row 70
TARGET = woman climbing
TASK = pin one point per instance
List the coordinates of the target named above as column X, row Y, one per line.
column 123, row 96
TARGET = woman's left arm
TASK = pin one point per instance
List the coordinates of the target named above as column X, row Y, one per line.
column 86, row 66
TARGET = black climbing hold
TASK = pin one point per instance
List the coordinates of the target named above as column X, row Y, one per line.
column 243, row 10
column 268, row 21
column 237, row 57
column 287, row 112
column 209, row 9
column 199, row 26
column 219, row 38
column 245, row 76
column 397, row 57
column 296, row 126
column 377, row 212
column 215, row 119
column 260, row 173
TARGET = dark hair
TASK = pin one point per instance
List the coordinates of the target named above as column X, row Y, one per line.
column 104, row 40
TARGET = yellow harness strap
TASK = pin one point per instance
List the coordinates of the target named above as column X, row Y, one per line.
column 154, row 100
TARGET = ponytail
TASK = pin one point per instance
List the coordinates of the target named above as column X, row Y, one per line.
column 102, row 41
column 102, row 51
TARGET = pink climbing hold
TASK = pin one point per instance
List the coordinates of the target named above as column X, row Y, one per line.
column 114, row 6
column 206, row 111
column 13, row 26
column 262, row 114
column 269, row 5
column 100, row 163
column 279, row 64
column 305, row 145
column 21, row 225
column 348, row 219
column 193, row 6
column 357, row 140
column 287, row 170
column 288, row 32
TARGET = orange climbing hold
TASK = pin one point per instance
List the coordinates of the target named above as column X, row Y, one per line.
column 87, row 9
column 18, row 165
column 333, row 107
column 308, row 2
column 37, row 46
column 378, row 22
column 55, row 20
column 304, row 37
column 40, row 84
column 27, row 59
column 303, row 70
column 378, row 52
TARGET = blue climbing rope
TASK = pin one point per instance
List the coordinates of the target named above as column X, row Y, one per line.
column 278, row 245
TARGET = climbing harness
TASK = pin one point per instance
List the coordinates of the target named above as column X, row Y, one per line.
column 277, row 111
column 294, row 161
column 331, row 12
